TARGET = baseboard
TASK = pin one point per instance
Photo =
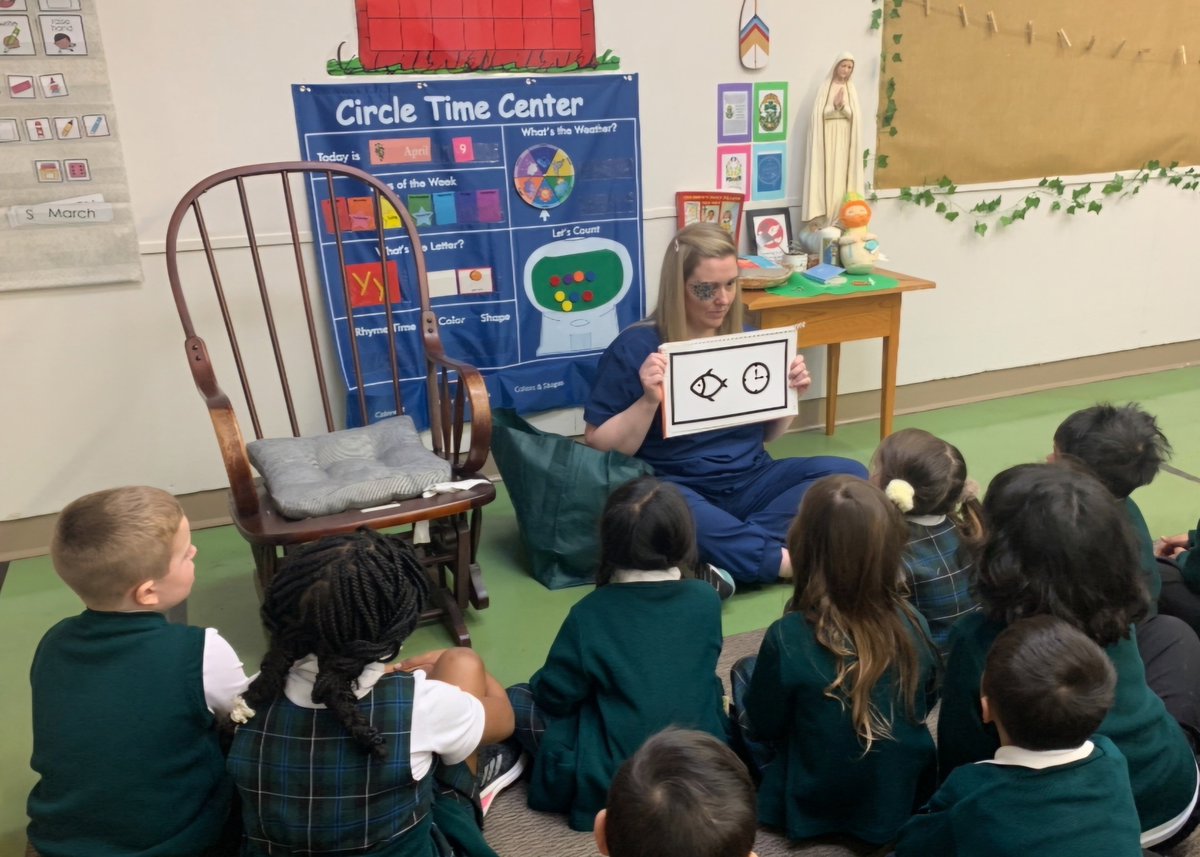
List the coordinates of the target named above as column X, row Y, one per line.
column 27, row 537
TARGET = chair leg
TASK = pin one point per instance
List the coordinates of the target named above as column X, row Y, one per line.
column 266, row 563
column 452, row 617
column 478, row 592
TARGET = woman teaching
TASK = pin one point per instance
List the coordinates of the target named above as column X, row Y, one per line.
column 741, row 498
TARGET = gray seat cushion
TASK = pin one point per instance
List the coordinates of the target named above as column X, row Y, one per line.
column 350, row 469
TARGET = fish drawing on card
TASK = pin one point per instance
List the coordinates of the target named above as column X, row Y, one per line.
column 708, row 385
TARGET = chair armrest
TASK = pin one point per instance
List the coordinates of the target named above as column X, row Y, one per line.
column 226, row 426
column 471, row 392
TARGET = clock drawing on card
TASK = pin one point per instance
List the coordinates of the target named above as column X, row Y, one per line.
column 756, row 377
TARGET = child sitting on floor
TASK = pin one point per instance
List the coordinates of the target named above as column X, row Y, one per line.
column 842, row 684
column 634, row 656
column 1058, row 544
column 1049, row 791
column 683, row 794
column 125, row 703
column 1124, row 448
column 926, row 478
column 342, row 754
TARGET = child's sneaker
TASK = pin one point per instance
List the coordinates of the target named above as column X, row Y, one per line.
column 719, row 579
column 499, row 766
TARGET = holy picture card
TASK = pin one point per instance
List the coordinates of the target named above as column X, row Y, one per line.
column 722, row 381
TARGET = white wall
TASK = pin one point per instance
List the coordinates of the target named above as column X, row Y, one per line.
column 95, row 387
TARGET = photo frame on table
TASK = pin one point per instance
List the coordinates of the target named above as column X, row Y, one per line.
column 769, row 231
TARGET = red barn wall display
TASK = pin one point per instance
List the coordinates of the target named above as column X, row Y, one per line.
column 470, row 35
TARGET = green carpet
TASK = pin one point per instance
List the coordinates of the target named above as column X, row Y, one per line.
column 514, row 634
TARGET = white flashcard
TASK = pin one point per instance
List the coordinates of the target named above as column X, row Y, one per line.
column 723, row 381
column 21, row 86
column 442, row 284
column 475, row 281
column 95, row 125
column 62, row 35
column 66, row 127
column 53, row 85
column 39, row 129
column 16, row 40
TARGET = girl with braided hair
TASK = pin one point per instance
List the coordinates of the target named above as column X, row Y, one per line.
column 342, row 752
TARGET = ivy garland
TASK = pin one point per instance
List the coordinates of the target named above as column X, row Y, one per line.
column 1085, row 198
column 990, row 212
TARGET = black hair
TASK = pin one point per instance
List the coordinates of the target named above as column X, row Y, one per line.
column 647, row 526
column 351, row 600
column 1058, row 544
column 1123, row 446
column 683, row 794
column 1048, row 684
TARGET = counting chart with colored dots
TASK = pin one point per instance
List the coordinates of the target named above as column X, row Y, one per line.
column 531, row 227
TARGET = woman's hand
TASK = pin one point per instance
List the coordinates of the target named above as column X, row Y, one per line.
column 798, row 377
column 652, row 373
column 839, row 98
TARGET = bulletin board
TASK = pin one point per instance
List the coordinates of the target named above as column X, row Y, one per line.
column 526, row 195
column 65, row 217
column 1091, row 87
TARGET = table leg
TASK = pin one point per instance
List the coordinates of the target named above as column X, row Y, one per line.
column 833, row 358
column 891, row 353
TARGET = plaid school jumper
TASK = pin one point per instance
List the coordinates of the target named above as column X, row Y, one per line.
column 308, row 787
column 938, row 576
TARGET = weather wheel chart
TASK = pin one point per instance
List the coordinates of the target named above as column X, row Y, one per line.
column 526, row 194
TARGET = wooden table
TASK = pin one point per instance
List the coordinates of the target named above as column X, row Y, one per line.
column 833, row 319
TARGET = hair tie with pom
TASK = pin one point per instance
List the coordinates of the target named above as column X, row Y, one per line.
column 901, row 493
column 241, row 712
column 970, row 491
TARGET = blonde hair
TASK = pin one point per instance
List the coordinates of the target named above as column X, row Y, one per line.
column 108, row 542
column 845, row 546
column 691, row 245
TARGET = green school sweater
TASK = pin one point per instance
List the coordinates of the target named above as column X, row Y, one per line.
column 1080, row 809
column 1162, row 770
column 123, row 741
column 629, row 660
column 820, row 781
column 1145, row 547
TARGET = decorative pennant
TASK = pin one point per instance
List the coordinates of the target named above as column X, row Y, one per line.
column 755, row 37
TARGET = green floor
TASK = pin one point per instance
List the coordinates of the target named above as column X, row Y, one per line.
column 515, row 632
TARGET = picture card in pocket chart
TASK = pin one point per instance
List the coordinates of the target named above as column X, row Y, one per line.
column 723, row 381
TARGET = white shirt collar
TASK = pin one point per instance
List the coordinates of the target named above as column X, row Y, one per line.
column 925, row 520
column 303, row 674
column 1039, row 759
column 634, row 575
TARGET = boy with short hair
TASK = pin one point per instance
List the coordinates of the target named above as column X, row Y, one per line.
column 1048, row 790
column 1124, row 448
column 124, row 703
column 682, row 794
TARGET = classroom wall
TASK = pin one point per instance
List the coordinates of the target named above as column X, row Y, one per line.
column 95, row 387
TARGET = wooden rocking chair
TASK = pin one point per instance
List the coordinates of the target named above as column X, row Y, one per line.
column 259, row 291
